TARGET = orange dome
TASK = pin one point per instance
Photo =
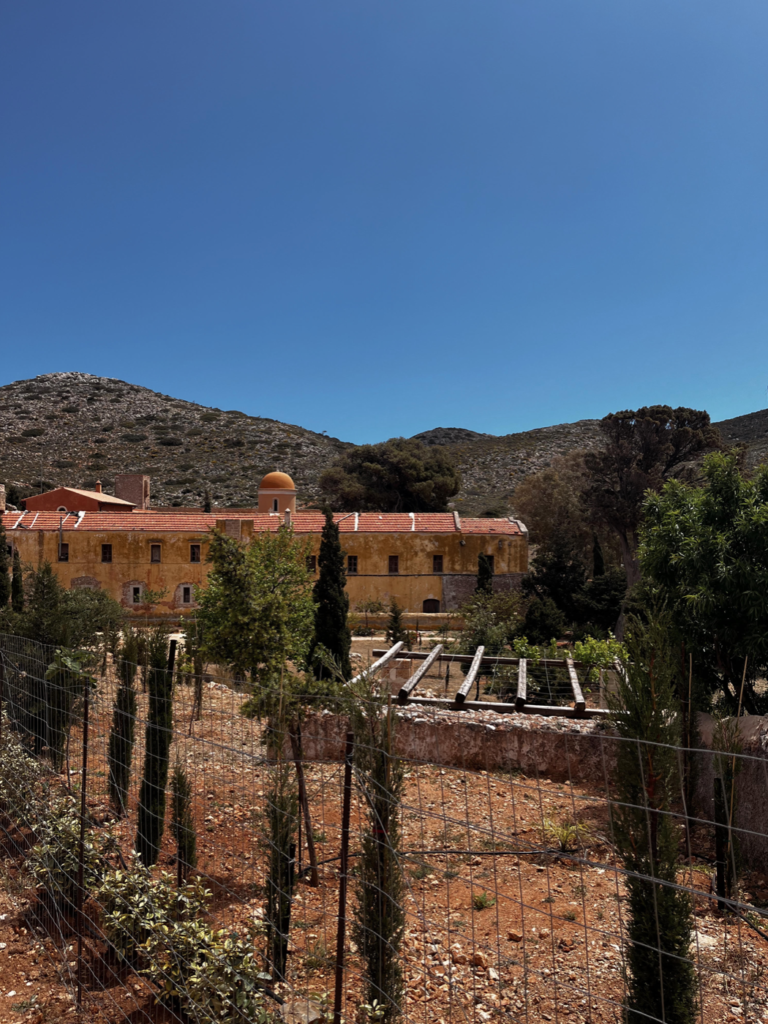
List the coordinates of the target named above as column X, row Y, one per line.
column 277, row 482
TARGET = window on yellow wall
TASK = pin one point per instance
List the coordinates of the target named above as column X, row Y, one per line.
column 136, row 595
column 63, row 552
column 106, row 552
column 311, row 563
column 437, row 563
column 352, row 565
column 154, row 553
column 394, row 564
column 186, row 595
column 194, row 552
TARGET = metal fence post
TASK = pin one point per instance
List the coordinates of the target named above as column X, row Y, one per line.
column 343, row 868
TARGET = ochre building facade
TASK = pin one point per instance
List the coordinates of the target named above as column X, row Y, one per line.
column 428, row 562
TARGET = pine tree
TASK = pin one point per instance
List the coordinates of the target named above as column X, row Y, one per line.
column 151, row 817
column 123, row 732
column 396, row 631
column 17, row 584
column 332, row 604
column 662, row 981
column 207, row 501
column 484, row 575
column 5, row 580
column 182, row 822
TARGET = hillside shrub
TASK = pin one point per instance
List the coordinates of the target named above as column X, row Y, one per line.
column 54, row 858
column 21, row 782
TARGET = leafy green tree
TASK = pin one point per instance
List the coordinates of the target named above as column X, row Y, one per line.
column 643, row 449
column 662, row 981
column 17, row 584
column 395, row 476
column 123, row 732
column 598, row 559
column 158, row 735
column 66, row 678
column 5, row 580
column 484, row 575
column 332, row 603
column 559, row 574
column 257, row 612
column 705, row 553
column 543, row 621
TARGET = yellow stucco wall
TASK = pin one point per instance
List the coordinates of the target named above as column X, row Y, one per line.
column 131, row 566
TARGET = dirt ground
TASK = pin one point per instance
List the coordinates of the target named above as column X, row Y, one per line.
column 501, row 924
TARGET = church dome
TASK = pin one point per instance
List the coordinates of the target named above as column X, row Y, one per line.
column 277, row 482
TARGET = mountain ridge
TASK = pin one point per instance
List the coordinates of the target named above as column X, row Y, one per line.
column 72, row 428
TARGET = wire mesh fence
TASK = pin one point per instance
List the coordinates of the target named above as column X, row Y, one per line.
column 477, row 874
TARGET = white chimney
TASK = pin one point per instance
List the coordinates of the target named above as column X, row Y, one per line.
column 287, row 517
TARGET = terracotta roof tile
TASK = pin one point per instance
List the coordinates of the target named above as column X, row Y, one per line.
column 303, row 522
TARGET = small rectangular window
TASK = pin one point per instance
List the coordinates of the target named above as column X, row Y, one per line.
column 194, row 552
column 106, row 552
column 63, row 552
column 437, row 563
column 311, row 563
column 352, row 565
column 186, row 595
column 154, row 552
column 137, row 595
column 394, row 563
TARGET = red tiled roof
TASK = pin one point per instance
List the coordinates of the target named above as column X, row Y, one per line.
column 303, row 522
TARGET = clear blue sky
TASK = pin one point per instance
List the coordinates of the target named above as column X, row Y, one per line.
column 373, row 217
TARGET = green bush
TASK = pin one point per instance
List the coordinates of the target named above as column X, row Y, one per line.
column 54, row 858
column 21, row 782
column 33, row 432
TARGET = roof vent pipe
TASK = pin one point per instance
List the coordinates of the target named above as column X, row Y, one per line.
column 287, row 517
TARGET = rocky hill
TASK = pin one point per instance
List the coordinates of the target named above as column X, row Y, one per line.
column 75, row 428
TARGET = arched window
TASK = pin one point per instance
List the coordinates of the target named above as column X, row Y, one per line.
column 61, row 509
column 431, row 605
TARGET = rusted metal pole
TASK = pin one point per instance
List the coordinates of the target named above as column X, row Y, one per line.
column 314, row 878
column 81, row 845
column 343, row 867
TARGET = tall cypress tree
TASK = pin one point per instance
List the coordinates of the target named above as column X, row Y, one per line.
column 332, row 601
column 17, row 584
column 151, row 819
column 123, row 732
column 662, row 981
column 5, row 580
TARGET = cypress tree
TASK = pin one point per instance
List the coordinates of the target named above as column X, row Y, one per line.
column 5, row 580
column 17, row 584
column 662, row 981
column 182, row 822
column 123, row 732
column 332, row 603
column 379, row 915
column 207, row 501
column 484, row 575
column 151, row 817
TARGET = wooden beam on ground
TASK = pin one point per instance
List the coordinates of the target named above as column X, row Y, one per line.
column 474, row 668
column 547, row 710
column 488, row 659
column 407, row 688
column 522, row 684
column 579, row 704
column 374, row 668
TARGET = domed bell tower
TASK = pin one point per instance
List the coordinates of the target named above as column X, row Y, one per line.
column 277, row 493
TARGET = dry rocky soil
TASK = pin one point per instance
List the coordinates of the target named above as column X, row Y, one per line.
column 502, row 925
column 74, row 428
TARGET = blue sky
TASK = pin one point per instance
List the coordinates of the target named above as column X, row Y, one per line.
column 373, row 218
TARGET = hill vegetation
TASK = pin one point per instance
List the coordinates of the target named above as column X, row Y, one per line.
column 74, row 428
